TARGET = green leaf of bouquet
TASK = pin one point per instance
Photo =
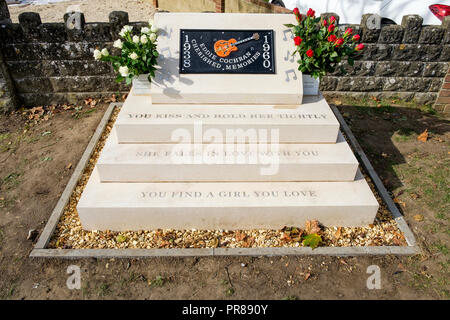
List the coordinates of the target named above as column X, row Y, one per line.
column 119, row 78
column 289, row 25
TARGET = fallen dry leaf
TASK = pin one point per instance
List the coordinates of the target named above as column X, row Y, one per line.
column 69, row 166
column 401, row 267
column 423, row 136
column 414, row 196
column 286, row 237
column 312, row 226
column 240, row 236
column 307, row 276
column 338, row 233
column 400, row 202
column 249, row 241
column 419, row 217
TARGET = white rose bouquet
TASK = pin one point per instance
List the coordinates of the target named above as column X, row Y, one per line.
column 138, row 53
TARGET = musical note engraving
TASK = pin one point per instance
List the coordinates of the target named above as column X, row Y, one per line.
column 291, row 36
column 287, row 75
column 166, row 49
column 288, row 54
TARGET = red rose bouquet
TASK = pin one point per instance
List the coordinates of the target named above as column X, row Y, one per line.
column 319, row 46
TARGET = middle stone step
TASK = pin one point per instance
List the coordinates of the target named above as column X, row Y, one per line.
column 226, row 162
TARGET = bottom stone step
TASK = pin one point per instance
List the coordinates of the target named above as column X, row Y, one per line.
column 227, row 206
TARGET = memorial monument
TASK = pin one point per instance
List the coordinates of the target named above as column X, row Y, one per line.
column 227, row 139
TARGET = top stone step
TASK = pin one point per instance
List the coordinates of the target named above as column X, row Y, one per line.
column 261, row 70
column 140, row 121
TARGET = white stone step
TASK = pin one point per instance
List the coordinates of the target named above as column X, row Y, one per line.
column 140, row 121
column 204, row 205
column 226, row 162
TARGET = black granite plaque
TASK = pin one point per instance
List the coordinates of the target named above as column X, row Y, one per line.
column 227, row 51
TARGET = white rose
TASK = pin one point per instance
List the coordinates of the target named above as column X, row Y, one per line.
column 124, row 72
column 144, row 39
column 133, row 55
column 145, row 30
column 153, row 28
column 152, row 37
column 150, row 22
column 97, row 54
column 135, row 39
column 105, row 52
column 118, row 44
column 124, row 30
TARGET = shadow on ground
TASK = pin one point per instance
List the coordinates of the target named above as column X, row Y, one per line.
column 379, row 129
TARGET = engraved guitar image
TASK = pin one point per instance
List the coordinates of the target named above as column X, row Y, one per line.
column 223, row 48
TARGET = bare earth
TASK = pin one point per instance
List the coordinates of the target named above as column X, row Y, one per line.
column 38, row 159
column 94, row 10
column 36, row 162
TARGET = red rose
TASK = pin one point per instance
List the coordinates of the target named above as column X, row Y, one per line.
column 332, row 19
column 295, row 11
column 311, row 13
column 325, row 23
column 349, row 31
column 339, row 42
column 359, row 47
column 310, row 53
column 332, row 38
column 297, row 40
column 331, row 28
column 356, row 37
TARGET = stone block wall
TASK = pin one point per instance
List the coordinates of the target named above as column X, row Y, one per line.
column 407, row 61
column 52, row 62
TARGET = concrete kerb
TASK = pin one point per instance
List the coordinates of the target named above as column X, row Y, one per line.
column 41, row 251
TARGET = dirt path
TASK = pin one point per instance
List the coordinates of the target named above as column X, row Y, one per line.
column 35, row 167
column 94, row 11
